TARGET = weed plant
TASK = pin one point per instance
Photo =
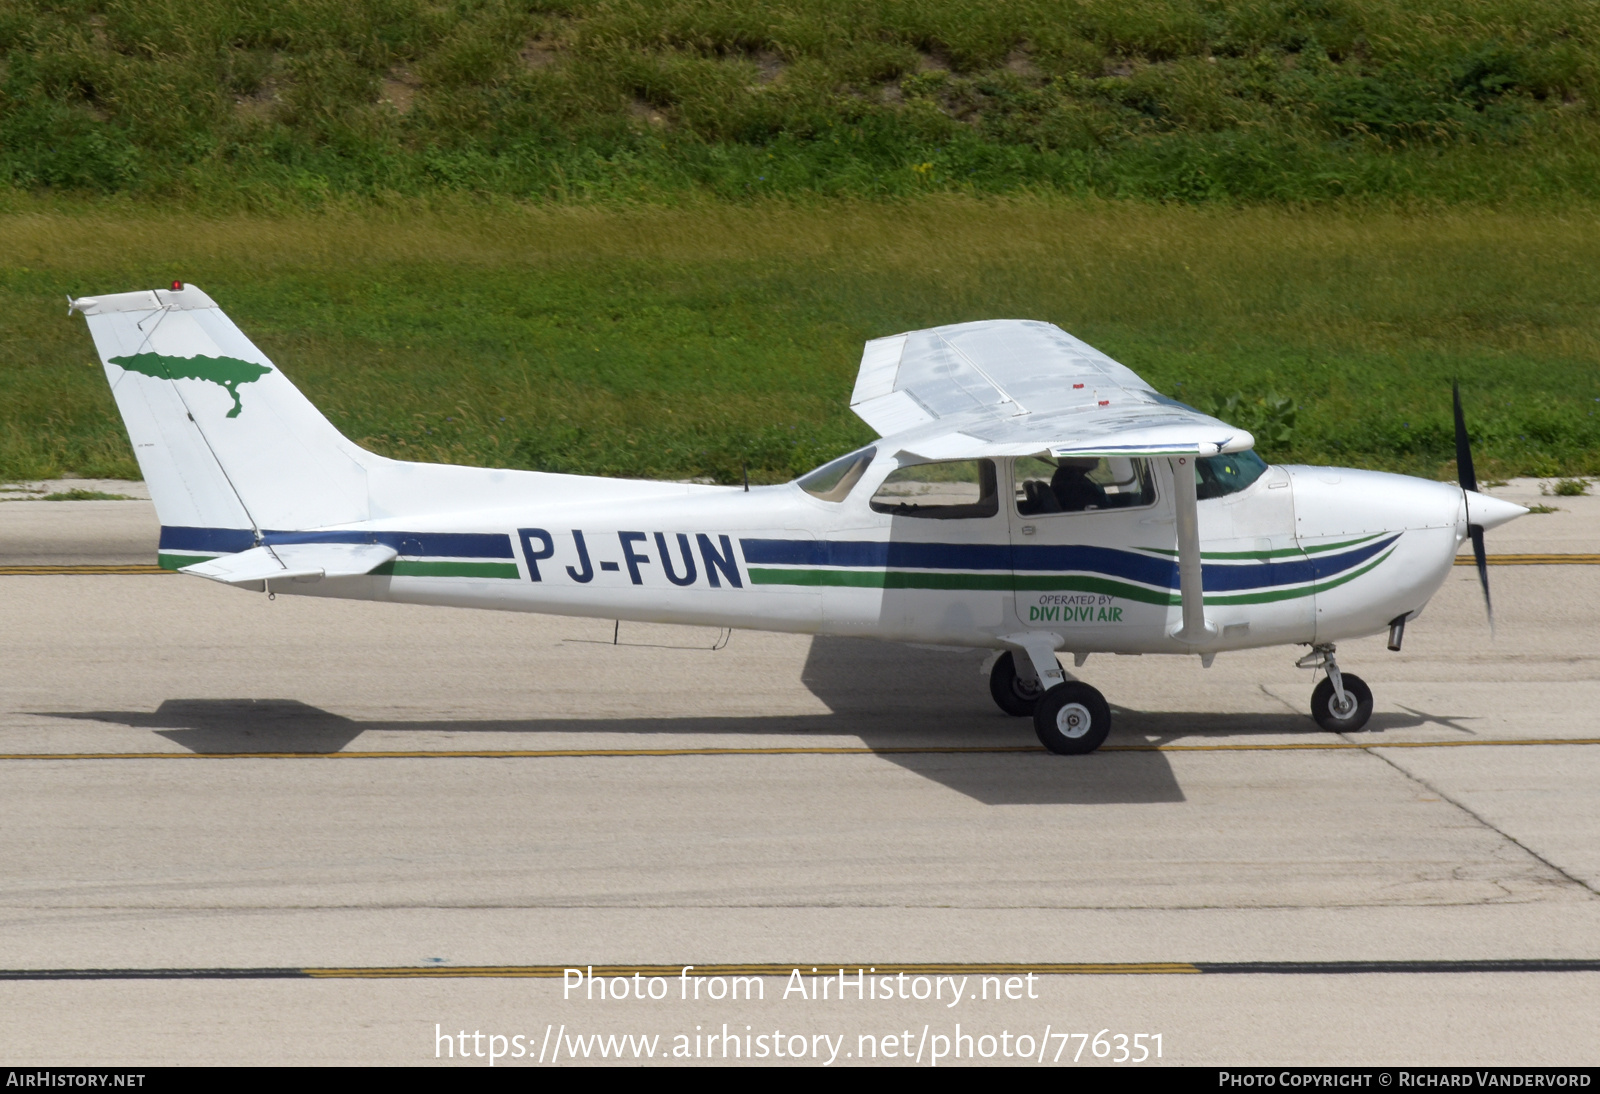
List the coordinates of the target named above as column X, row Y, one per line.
column 85, row 495
column 683, row 342
column 293, row 103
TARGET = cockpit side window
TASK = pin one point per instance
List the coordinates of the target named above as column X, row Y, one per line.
column 1218, row 476
column 834, row 481
column 1080, row 485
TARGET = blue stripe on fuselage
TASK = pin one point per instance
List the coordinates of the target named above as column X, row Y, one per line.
column 1042, row 558
column 223, row 541
column 878, row 554
column 1256, row 575
column 410, row 544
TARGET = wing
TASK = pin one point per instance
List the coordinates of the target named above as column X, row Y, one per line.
column 1017, row 387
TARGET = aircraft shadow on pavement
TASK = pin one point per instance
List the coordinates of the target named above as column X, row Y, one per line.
column 1020, row 778
column 889, row 696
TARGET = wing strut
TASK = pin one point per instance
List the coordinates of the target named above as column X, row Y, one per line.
column 1196, row 628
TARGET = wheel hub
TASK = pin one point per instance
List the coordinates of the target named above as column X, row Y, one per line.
column 1073, row 720
column 1342, row 710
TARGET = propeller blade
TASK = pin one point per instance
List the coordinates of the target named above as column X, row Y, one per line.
column 1476, row 532
column 1464, row 473
column 1469, row 481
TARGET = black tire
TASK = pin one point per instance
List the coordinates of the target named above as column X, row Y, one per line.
column 1072, row 719
column 1323, row 705
column 1012, row 694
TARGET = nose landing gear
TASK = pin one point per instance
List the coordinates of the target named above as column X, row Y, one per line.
column 1340, row 703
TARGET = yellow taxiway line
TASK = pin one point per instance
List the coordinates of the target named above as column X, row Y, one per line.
column 1533, row 560
column 82, row 570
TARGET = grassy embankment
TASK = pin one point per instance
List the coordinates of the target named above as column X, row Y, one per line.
column 681, row 342
column 784, row 180
column 288, row 103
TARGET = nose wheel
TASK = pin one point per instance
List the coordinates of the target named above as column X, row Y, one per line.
column 1340, row 703
column 1342, row 717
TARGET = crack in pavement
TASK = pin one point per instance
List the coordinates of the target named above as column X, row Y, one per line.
column 1502, row 833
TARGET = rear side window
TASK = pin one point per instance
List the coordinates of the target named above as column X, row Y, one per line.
column 947, row 490
column 834, row 481
column 1216, row 476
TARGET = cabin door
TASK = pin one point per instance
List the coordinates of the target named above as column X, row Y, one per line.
column 1091, row 550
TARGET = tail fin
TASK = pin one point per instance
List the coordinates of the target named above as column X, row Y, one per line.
column 224, row 440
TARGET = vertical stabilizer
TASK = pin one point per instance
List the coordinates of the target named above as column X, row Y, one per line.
column 224, row 440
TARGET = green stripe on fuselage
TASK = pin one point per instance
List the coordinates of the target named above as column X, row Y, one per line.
column 1078, row 583
column 404, row 567
column 177, row 562
column 1083, row 583
column 1305, row 590
column 415, row 568
column 1281, row 552
column 880, row 579
column 999, row 582
column 400, row 567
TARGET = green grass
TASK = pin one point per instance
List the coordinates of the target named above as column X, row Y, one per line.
column 683, row 342
column 294, row 103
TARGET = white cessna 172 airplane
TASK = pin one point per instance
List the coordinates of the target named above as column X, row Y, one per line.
column 1027, row 494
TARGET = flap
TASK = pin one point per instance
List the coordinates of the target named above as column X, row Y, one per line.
column 288, row 560
column 1169, row 440
column 1178, row 439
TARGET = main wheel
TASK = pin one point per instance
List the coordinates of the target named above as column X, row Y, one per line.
column 1072, row 718
column 1335, row 719
column 1012, row 693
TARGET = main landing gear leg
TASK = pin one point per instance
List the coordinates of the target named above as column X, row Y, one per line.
column 1014, row 685
column 1069, row 716
column 1341, row 703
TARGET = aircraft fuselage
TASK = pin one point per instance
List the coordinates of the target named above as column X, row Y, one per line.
column 1303, row 555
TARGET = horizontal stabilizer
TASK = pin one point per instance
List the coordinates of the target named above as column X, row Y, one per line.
column 302, row 560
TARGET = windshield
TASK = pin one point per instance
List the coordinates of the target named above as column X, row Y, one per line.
column 1216, row 476
column 833, row 481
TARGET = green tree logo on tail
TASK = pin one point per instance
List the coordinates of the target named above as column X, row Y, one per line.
column 229, row 372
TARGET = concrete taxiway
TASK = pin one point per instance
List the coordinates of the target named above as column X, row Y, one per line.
column 446, row 789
